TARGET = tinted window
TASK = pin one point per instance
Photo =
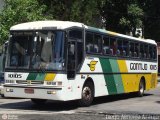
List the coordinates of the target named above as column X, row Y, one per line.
column 119, row 47
column 136, row 52
column 75, row 34
column 113, row 46
column 131, row 49
column 125, row 48
column 141, row 54
column 97, row 43
column 106, row 48
column 154, row 52
column 89, row 43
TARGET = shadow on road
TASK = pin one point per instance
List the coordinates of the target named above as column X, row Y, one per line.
column 158, row 102
column 49, row 106
column 64, row 106
column 112, row 98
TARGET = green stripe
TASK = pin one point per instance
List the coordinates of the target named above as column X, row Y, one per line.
column 117, row 77
column 113, row 81
column 109, row 79
column 40, row 76
column 32, row 76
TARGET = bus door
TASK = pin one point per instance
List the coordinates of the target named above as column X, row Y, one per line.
column 74, row 52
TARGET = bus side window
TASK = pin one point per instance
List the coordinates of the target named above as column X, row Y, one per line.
column 141, row 54
column 155, row 53
column 151, row 51
column 97, row 43
column 119, row 47
column 146, row 51
column 89, row 43
column 113, row 46
column 106, row 49
column 131, row 49
column 136, row 53
column 125, row 48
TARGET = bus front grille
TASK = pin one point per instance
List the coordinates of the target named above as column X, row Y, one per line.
column 29, row 82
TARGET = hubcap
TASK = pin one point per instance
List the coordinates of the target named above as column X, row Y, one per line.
column 87, row 93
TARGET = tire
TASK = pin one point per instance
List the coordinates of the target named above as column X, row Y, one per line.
column 87, row 95
column 2, row 95
column 38, row 101
column 140, row 92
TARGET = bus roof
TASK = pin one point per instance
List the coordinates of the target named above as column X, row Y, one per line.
column 39, row 25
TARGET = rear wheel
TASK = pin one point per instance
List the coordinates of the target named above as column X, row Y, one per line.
column 140, row 92
column 87, row 94
column 38, row 101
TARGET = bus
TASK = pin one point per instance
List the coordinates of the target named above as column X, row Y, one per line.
column 63, row 60
column 3, row 50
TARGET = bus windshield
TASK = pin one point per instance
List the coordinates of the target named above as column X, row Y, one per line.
column 36, row 50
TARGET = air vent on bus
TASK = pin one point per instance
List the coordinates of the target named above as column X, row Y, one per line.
column 29, row 82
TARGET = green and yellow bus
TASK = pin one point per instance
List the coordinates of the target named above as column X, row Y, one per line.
column 62, row 60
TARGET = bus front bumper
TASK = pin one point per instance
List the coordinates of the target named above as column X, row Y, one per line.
column 38, row 92
column 1, row 90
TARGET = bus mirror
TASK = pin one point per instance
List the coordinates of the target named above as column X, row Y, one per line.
column 1, row 50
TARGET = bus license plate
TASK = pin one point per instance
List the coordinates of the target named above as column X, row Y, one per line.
column 29, row 90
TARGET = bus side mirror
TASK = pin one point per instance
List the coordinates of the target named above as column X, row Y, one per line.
column 1, row 50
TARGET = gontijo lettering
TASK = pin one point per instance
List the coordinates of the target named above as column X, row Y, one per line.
column 138, row 66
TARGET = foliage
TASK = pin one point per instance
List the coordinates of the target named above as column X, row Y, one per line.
column 121, row 16
column 85, row 11
column 18, row 11
column 151, row 19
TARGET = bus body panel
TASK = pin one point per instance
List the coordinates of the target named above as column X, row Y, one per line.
column 113, row 76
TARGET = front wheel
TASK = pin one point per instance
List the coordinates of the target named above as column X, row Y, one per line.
column 38, row 101
column 87, row 94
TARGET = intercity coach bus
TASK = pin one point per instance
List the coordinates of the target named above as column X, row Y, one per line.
column 62, row 60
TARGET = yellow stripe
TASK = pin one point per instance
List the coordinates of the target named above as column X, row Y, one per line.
column 50, row 77
column 130, row 81
column 112, row 33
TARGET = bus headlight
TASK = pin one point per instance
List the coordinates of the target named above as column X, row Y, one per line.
column 9, row 90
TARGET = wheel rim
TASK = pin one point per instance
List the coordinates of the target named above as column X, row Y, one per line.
column 141, row 88
column 87, row 94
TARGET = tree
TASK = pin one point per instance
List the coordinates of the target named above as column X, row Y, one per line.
column 122, row 16
column 18, row 11
column 85, row 11
column 151, row 20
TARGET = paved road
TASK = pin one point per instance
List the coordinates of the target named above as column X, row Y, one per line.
column 120, row 106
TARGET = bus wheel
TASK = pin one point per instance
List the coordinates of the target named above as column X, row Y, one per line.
column 87, row 94
column 141, row 88
column 38, row 101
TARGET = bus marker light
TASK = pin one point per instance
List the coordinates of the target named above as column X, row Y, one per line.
column 51, row 92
